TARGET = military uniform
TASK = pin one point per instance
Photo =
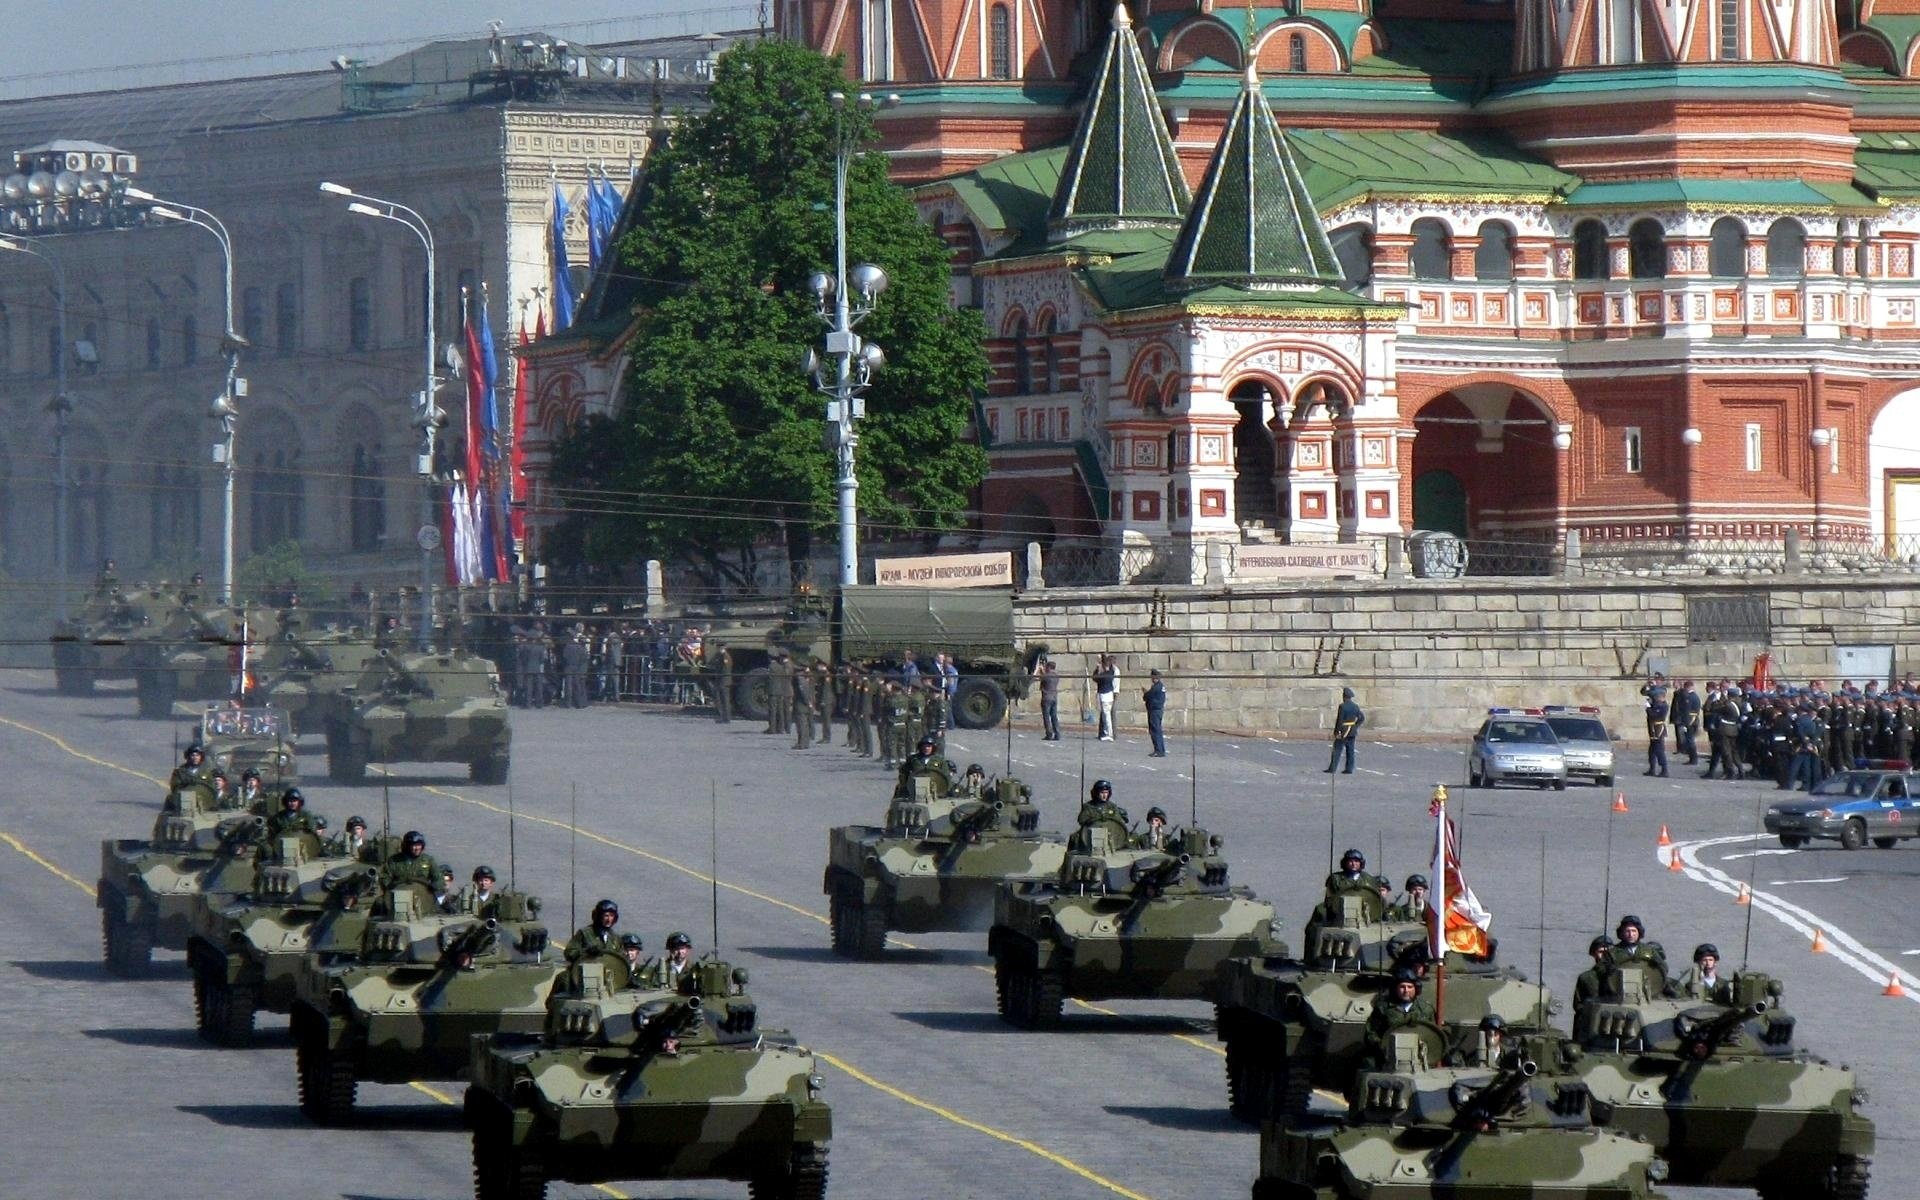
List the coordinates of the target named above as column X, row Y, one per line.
column 589, row 940
column 895, row 733
column 806, row 704
column 1389, row 1016
column 824, row 700
column 779, row 695
column 185, row 776
column 1694, row 985
column 404, row 869
column 284, row 824
column 723, row 687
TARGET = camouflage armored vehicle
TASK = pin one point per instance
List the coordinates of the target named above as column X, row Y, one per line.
column 191, row 652
column 148, row 889
column 422, row 985
column 936, row 864
column 314, row 677
column 1423, row 1132
column 93, row 645
column 245, row 954
column 877, row 627
column 1290, row 1026
column 424, row 708
column 648, row 1084
column 1718, row 1088
column 1119, row 921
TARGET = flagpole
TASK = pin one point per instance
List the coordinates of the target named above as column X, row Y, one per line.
column 1439, row 915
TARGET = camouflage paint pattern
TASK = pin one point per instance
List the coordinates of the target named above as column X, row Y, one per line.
column 426, row 708
column 94, row 643
column 315, row 677
column 156, row 885
column 260, row 940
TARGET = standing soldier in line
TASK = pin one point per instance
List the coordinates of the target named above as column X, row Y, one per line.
column 1657, row 735
column 1905, row 723
column 824, row 690
column 899, row 724
column 1686, row 723
column 871, row 690
column 723, row 686
column 1724, row 715
column 779, row 692
column 931, row 723
column 613, row 666
column 806, row 704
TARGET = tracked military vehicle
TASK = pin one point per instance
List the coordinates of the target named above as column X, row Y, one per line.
column 93, row 644
column 314, row 677
column 1120, row 921
column 422, row 985
column 424, row 708
column 245, row 954
column 936, row 864
column 1422, row 1132
column 648, row 1084
column 192, row 652
column 1718, row 1087
column 1290, row 1026
column 148, row 889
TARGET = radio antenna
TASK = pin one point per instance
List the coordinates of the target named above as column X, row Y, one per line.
column 1009, row 743
column 512, row 848
column 1083, row 764
column 1193, row 772
column 1333, row 816
column 386, row 815
column 1540, row 979
column 1753, row 862
column 1606, row 889
column 573, row 857
column 713, row 854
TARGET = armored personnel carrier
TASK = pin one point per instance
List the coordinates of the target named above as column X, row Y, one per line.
column 148, row 889
column 191, row 651
column 936, row 864
column 424, row 708
column 1719, row 1089
column 1290, row 1026
column 314, row 677
column 423, row 984
column 1423, row 1132
column 1120, row 921
column 93, row 644
column 245, row 954
column 647, row 1084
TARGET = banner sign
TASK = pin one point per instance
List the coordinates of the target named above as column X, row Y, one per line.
column 1300, row 562
column 945, row 570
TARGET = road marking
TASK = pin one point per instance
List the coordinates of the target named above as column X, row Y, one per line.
column 1909, row 953
column 1785, row 882
column 1841, row 945
column 1269, row 771
column 22, row 847
column 82, row 755
column 449, row 1101
column 1371, row 771
column 1753, row 854
column 998, row 1135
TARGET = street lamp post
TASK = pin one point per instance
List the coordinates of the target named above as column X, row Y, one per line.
column 428, row 417
column 223, row 409
column 855, row 361
column 61, row 406
column 1820, row 440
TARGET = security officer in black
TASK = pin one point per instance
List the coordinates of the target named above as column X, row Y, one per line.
column 1657, row 735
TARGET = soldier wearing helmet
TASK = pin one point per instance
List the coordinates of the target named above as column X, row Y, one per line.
column 1703, row 980
column 676, row 967
column 1489, row 1043
column 1413, row 905
column 192, row 771
column 1155, row 836
column 1353, row 877
column 1100, row 805
column 597, row 935
column 1598, row 984
column 251, row 797
column 1631, row 947
column 225, row 799
column 482, row 897
column 974, row 782
column 631, row 948
column 353, row 839
column 293, row 817
column 1400, row 1006
column 925, row 762
column 413, row 864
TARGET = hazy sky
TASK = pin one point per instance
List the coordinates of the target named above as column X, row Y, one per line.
column 94, row 45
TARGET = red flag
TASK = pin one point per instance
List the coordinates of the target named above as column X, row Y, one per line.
column 476, row 397
column 517, row 459
column 1456, row 920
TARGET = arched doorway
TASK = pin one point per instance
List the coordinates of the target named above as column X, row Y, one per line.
column 1440, row 502
column 1254, row 496
column 1893, row 476
column 1484, row 464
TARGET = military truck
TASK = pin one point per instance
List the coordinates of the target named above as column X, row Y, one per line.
column 648, row 1084
column 1420, row 1131
column 438, row 707
column 1719, row 1089
column 92, row 645
column 423, row 984
column 245, row 954
column 1290, row 1026
column 148, row 889
column 1120, row 921
column 936, row 864
column 877, row 627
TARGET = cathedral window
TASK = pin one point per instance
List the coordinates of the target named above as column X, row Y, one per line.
column 1633, row 451
column 1432, row 253
column 1729, row 29
column 1624, row 31
column 1296, row 53
column 1786, row 249
column 1049, row 354
column 1022, row 359
column 1590, row 251
column 253, row 315
column 1000, row 43
column 1727, row 252
column 878, row 51
column 1353, row 247
column 1647, row 250
column 1493, row 258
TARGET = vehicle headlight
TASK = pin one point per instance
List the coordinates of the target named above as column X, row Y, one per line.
column 1657, row 1170
column 815, row 1085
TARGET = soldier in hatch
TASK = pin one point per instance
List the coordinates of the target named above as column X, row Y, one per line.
column 293, row 818
column 412, row 865
column 597, row 935
column 192, row 771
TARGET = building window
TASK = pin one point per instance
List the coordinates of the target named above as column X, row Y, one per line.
column 877, row 53
column 1590, row 251
column 1786, row 249
column 1493, row 257
column 1022, row 360
column 1353, row 247
column 1049, row 354
column 1863, row 257
column 189, row 341
column 1727, row 252
column 1632, row 447
column 253, row 316
column 1647, row 250
column 359, row 313
column 276, row 500
column 1000, row 43
column 153, row 343
column 367, row 506
column 1729, row 30
column 1432, row 253
column 1296, row 53
column 286, row 319
column 1753, row 445
column 1624, row 30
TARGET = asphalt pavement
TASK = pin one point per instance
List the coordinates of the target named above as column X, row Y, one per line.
column 107, row 1090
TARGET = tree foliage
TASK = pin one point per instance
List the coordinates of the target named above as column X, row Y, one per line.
column 721, row 439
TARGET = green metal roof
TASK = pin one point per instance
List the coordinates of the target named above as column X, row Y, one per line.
column 1253, row 222
column 1889, row 163
column 1898, row 30
column 1137, row 281
column 1121, row 166
column 1010, row 194
column 1731, row 194
column 1340, row 164
column 1653, row 77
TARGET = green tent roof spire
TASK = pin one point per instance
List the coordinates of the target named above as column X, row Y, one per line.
column 1121, row 170
column 1253, row 224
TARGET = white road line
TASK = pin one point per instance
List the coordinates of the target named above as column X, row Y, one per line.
column 1909, row 953
column 1841, row 946
column 1785, row 882
column 1371, row 771
column 1276, row 775
column 1752, row 854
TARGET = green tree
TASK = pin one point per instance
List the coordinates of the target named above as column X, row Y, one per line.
column 722, row 438
column 267, row 572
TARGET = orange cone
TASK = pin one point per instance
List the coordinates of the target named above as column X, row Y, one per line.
column 1819, row 941
column 1745, row 896
column 1893, row 987
column 1673, row 862
column 1620, row 802
column 1666, row 839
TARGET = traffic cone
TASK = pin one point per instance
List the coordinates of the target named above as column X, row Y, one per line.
column 1666, row 839
column 1745, row 896
column 1620, row 802
column 1893, row 987
column 1673, row 862
column 1819, row 941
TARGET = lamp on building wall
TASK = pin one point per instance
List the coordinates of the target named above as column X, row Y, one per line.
column 1691, row 436
column 1820, row 439
column 1563, row 436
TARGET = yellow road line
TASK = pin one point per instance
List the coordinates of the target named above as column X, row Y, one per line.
column 443, row 1098
column 75, row 880
column 82, row 755
column 998, row 1135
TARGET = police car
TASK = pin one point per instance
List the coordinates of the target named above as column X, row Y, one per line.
column 1874, row 803
column 1516, row 745
column 1584, row 740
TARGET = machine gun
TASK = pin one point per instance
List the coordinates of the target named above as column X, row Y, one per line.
column 470, row 943
column 663, row 1027
column 1483, row 1110
column 968, row 825
column 236, row 837
column 1698, row 1040
column 1151, row 880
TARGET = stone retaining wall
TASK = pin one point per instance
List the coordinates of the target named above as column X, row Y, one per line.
column 1428, row 657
